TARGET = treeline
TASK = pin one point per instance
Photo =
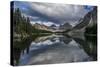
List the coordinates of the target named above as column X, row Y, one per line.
column 91, row 30
column 22, row 25
column 38, row 31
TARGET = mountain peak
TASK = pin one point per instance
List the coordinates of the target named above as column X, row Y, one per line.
column 66, row 26
column 53, row 25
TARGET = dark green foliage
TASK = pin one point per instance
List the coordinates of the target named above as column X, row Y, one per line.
column 91, row 30
column 21, row 24
column 38, row 31
column 19, row 47
column 21, row 44
column 91, row 48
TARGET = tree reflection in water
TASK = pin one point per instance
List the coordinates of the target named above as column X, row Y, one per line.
column 54, row 49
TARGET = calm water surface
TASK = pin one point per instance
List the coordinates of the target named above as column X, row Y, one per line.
column 54, row 49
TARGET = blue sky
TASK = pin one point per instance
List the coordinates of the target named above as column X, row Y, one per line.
column 50, row 13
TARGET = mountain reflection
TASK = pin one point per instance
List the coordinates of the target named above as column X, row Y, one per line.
column 54, row 49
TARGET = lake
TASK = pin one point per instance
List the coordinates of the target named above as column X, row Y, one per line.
column 54, row 48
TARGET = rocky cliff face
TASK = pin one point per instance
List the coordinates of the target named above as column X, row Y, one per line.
column 89, row 20
column 54, row 27
column 65, row 26
column 93, row 19
column 92, row 26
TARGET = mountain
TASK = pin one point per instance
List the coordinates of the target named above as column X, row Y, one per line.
column 65, row 26
column 53, row 26
column 43, row 27
column 87, row 25
column 92, row 26
column 89, row 20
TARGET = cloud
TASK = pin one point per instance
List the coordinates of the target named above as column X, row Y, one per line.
column 47, row 23
column 60, row 12
column 50, row 12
